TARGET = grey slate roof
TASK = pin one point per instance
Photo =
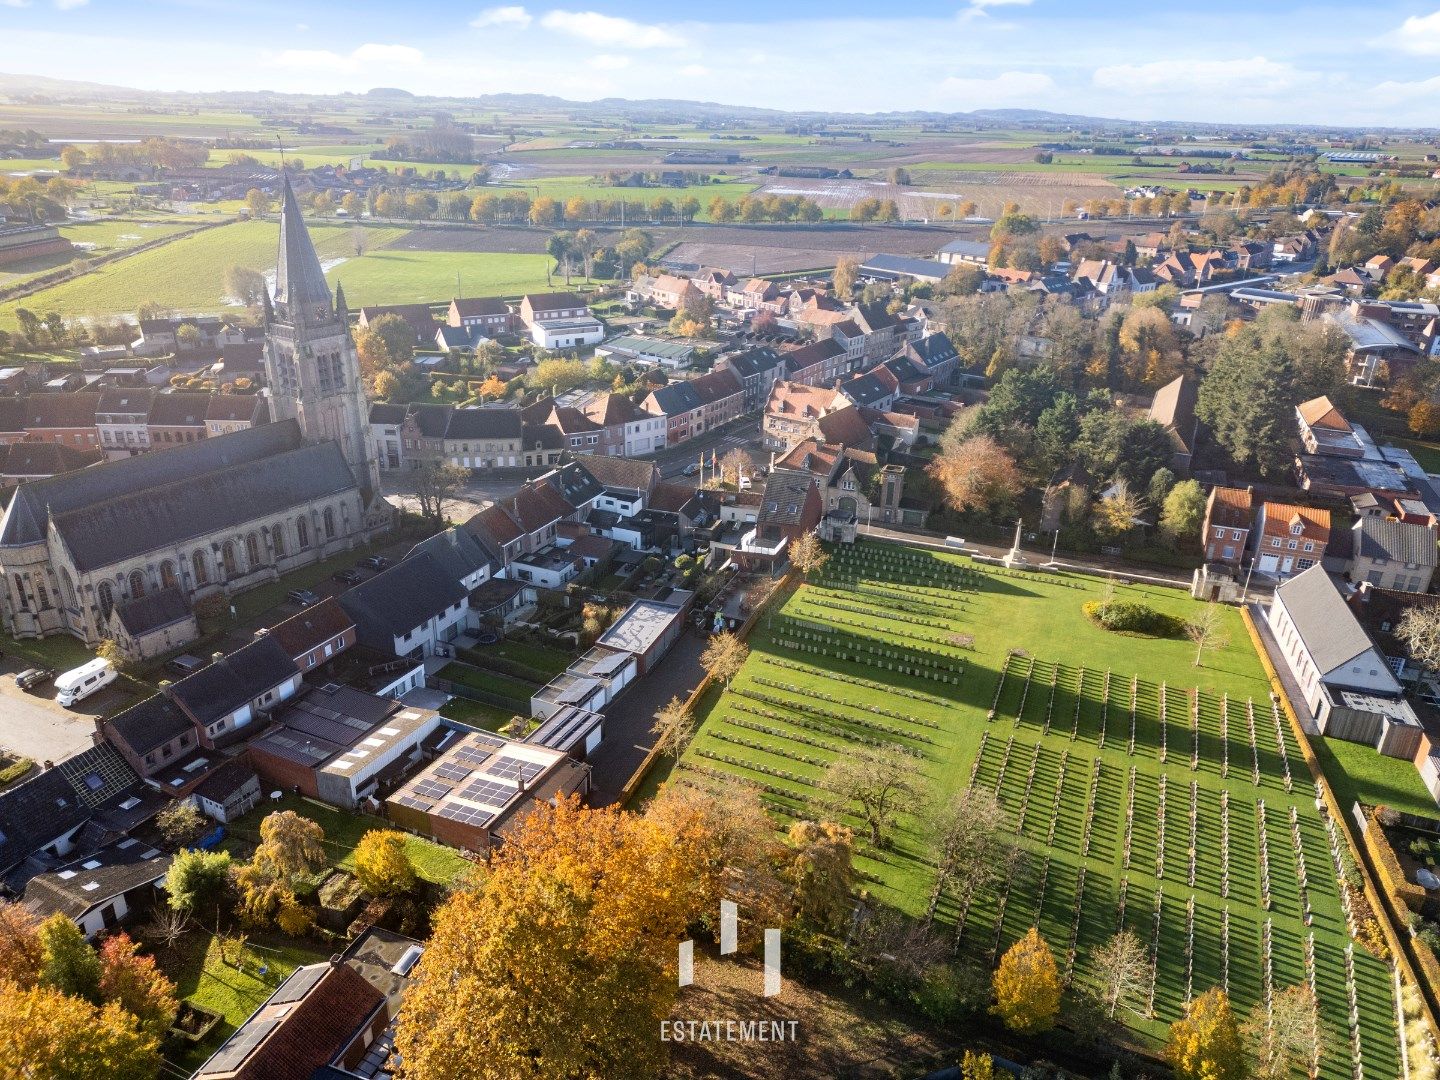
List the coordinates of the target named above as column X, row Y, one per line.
column 298, row 277
column 676, row 399
column 149, row 723
column 154, row 610
column 578, row 482
column 36, row 812
column 382, row 412
column 230, row 682
column 182, row 410
column 865, row 389
column 932, row 349
column 978, row 249
column 783, row 500
column 1322, row 618
column 501, row 423
column 80, row 886
column 1397, row 541
column 24, row 522
column 401, row 598
column 620, row 472
column 107, row 532
column 459, row 551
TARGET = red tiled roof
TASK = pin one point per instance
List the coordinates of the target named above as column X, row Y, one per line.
column 316, row 1029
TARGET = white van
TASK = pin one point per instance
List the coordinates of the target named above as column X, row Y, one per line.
column 81, row 682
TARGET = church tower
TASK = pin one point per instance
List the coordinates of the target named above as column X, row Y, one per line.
column 310, row 358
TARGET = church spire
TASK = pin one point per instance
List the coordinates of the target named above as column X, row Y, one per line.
column 298, row 277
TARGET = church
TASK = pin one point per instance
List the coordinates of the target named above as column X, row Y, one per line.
column 89, row 553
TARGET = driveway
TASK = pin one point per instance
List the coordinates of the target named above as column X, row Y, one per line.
column 629, row 718
column 34, row 726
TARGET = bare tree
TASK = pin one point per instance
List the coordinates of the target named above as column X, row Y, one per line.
column 1122, row 967
column 167, row 926
column 675, row 725
column 1419, row 628
column 735, row 464
column 1289, row 1036
column 1208, row 631
column 436, row 484
column 724, row 656
column 808, row 555
column 872, row 782
column 975, row 846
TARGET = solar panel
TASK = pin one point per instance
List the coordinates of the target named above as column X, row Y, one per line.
column 488, row 791
column 413, row 803
column 476, row 755
column 240, row 1046
column 467, row 815
column 514, row 769
column 452, row 771
column 432, row 789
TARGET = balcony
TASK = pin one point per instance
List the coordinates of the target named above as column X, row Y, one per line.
column 752, row 544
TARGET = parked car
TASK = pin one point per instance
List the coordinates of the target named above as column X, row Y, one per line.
column 185, row 664
column 303, row 597
column 745, row 483
column 692, row 468
column 348, row 577
column 33, row 677
column 374, row 562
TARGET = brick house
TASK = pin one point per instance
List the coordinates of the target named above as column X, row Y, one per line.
column 1289, row 538
column 1228, row 517
column 63, row 418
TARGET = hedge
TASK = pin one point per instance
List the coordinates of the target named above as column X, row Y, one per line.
column 1129, row 617
column 1387, row 866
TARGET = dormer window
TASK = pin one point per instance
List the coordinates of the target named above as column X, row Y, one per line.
column 1296, row 529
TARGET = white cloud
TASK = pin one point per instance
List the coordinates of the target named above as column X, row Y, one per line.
column 601, row 29
column 362, row 58
column 1007, row 88
column 609, row 62
column 1419, row 35
column 1000, row 3
column 1251, row 78
column 15, row 3
column 70, row 5
column 510, row 15
column 1397, row 93
column 694, row 71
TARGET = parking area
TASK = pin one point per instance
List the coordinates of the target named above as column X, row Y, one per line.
column 33, row 725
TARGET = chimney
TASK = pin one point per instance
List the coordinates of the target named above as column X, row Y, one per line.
column 216, row 657
column 1366, row 588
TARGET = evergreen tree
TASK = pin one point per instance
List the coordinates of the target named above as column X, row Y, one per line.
column 1248, row 402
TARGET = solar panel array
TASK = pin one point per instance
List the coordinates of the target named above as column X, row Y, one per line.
column 466, row 815
column 432, row 789
column 488, row 791
column 475, row 755
column 241, row 1045
column 451, row 770
column 515, row 769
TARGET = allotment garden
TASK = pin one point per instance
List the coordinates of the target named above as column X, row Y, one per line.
column 1147, row 793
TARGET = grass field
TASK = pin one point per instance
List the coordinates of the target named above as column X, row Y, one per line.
column 94, row 238
column 1115, row 756
column 189, row 274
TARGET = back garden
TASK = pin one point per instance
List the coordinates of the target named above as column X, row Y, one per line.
column 1147, row 793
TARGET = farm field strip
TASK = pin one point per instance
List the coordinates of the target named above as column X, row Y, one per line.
column 1161, row 801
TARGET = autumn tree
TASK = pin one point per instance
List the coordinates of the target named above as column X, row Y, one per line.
column 132, row 981
column 1027, row 986
column 382, row 864
column 1122, row 971
column 291, row 848
column 1285, row 1038
column 1118, row 511
column 67, row 962
column 975, row 473
column 808, row 555
column 1424, row 418
column 1207, row 631
column 977, row 1065
column 1183, row 511
column 724, row 656
column 1205, row 1043
column 257, row 202
column 21, row 952
column 842, row 281
column 735, row 464
column 49, row 1035
column 822, row 872
column 974, row 846
column 181, row 824
column 435, row 485
column 872, row 782
column 561, row 963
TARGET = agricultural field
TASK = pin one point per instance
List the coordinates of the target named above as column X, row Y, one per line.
column 1148, row 793
column 94, row 238
column 189, row 273
column 1036, row 192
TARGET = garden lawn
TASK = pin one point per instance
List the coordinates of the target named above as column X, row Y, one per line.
column 343, row 829
column 204, row 980
column 869, row 653
column 1358, row 774
column 518, row 690
column 477, row 714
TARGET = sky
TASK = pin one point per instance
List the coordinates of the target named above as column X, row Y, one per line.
column 1372, row 63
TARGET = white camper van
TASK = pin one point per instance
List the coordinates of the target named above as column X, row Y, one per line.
column 81, row 682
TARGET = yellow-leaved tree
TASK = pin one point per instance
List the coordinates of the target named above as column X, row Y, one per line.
column 1205, row 1043
column 49, row 1035
column 382, row 865
column 562, row 962
column 1027, row 986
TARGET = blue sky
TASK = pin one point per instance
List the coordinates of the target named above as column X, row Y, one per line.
column 1374, row 63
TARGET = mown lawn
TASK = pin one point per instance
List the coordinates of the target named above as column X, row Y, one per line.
column 491, row 682
column 1358, row 774
column 403, row 277
column 1115, row 757
column 343, row 829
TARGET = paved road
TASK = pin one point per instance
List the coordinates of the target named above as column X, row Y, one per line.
column 34, row 726
column 629, row 718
